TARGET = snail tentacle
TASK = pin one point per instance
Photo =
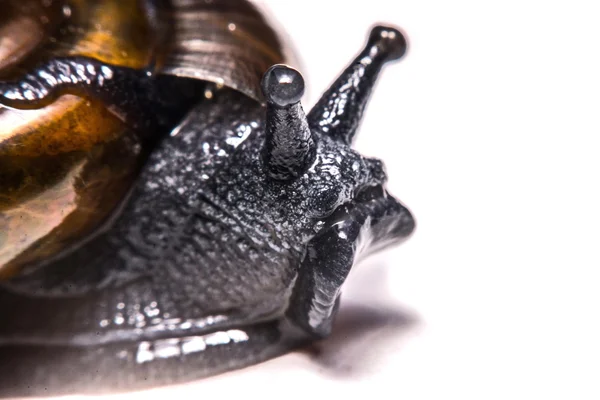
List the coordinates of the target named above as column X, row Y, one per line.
column 289, row 146
column 339, row 111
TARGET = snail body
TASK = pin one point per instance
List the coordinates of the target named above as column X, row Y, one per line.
column 225, row 238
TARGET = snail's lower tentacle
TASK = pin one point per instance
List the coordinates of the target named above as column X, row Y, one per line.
column 332, row 253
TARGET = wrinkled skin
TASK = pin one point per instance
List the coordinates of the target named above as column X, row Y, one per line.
column 215, row 260
column 227, row 249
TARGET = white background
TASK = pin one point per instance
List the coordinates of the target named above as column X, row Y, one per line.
column 489, row 128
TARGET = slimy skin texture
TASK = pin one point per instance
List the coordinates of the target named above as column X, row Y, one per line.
column 231, row 247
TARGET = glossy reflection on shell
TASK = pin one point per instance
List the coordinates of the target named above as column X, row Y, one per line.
column 64, row 167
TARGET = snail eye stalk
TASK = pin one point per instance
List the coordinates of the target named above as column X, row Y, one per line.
column 340, row 109
column 289, row 146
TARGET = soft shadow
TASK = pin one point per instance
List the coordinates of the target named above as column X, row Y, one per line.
column 365, row 332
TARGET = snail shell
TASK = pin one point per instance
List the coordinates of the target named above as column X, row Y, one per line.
column 66, row 167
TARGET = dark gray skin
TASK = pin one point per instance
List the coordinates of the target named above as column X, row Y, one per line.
column 232, row 248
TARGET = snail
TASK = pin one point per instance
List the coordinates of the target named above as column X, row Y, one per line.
column 168, row 211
